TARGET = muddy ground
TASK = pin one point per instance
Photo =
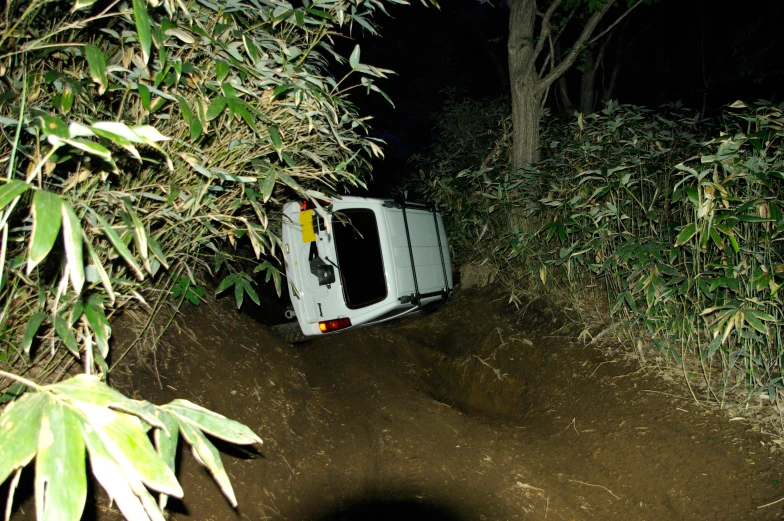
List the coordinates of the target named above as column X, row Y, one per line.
column 468, row 413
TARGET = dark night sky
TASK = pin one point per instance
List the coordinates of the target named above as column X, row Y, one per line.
column 463, row 46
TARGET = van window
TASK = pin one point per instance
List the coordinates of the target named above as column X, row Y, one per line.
column 359, row 257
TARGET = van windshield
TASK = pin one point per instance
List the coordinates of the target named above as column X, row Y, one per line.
column 359, row 257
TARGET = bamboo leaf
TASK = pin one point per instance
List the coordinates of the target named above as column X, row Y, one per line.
column 166, row 444
column 216, row 108
column 185, row 109
column 112, row 470
column 251, row 292
column 90, row 389
column 761, row 315
column 268, row 185
column 139, row 233
column 149, row 134
column 183, row 36
column 754, row 322
column 91, row 148
column 13, row 392
column 11, row 190
column 754, row 219
column 156, row 250
column 686, row 234
column 126, row 441
column 98, row 268
column 142, row 19
column 251, row 48
column 353, row 60
column 97, row 62
column 54, row 126
column 117, row 132
column 46, row 226
column 238, row 107
column 19, row 427
column 277, row 142
column 212, row 423
column 81, row 4
column 66, row 98
column 65, row 333
column 100, row 324
column 11, row 492
column 60, row 482
column 195, row 129
column 33, row 324
column 730, row 325
column 226, row 283
column 144, row 94
column 72, row 241
column 289, row 181
column 276, row 279
column 111, row 478
column 207, row 455
column 221, row 70
column 119, row 245
column 239, row 294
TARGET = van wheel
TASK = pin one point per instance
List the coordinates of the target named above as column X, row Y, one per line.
column 289, row 332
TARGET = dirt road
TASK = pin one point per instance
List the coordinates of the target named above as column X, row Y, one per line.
column 463, row 414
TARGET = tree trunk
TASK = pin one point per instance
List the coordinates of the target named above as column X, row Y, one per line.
column 523, row 79
column 563, row 97
column 610, row 87
column 526, row 113
column 587, row 83
column 609, row 82
column 529, row 85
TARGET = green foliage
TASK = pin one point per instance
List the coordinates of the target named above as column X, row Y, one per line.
column 56, row 424
column 472, row 134
column 684, row 234
column 148, row 145
column 184, row 288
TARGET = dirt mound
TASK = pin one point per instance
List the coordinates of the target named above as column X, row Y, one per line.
column 225, row 361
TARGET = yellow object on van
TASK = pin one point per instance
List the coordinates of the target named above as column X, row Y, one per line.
column 306, row 221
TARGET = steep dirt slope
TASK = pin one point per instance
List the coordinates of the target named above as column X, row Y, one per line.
column 462, row 414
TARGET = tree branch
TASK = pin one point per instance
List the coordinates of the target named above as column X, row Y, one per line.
column 550, row 58
column 616, row 22
column 600, row 54
column 545, row 33
column 562, row 67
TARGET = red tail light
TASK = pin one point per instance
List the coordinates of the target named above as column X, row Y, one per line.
column 310, row 205
column 334, row 325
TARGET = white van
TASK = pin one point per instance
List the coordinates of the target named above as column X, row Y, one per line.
column 360, row 261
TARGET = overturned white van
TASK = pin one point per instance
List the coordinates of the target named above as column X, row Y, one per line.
column 358, row 261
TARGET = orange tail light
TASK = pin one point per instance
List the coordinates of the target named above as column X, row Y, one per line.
column 328, row 326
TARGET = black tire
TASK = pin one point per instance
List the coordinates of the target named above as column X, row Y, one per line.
column 289, row 332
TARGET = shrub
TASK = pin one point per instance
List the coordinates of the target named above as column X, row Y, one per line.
column 144, row 143
column 680, row 230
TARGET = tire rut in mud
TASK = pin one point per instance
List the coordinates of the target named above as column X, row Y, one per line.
column 422, row 420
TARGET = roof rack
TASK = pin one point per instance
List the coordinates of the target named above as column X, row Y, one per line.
column 417, row 297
